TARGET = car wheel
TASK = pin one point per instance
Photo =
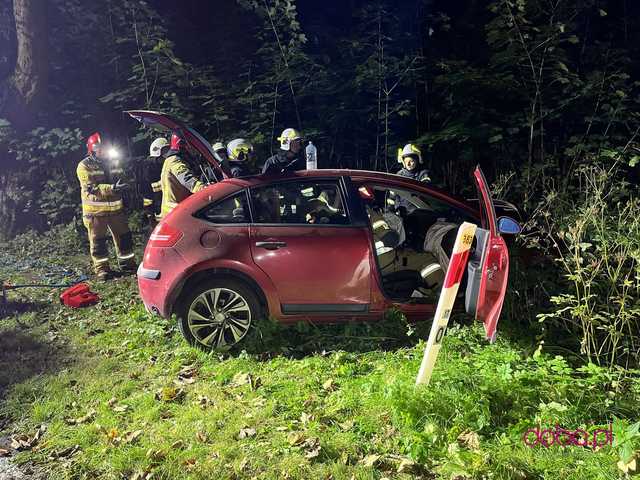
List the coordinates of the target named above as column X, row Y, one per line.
column 218, row 313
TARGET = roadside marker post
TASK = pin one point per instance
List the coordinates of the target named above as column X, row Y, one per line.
column 452, row 279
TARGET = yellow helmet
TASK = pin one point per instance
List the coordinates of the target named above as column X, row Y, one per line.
column 239, row 149
column 409, row 150
column 288, row 135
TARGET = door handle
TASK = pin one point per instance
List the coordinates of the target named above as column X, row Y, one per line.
column 271, row 245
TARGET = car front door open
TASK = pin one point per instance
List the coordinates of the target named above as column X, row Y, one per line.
column 488, row 268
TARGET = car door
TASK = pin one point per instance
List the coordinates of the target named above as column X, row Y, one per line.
column 488, row 268
column 192, row 137
column 303, row 237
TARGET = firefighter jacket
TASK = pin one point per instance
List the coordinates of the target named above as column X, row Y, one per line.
column 281, row 163
column 98, row 197
column 238, row 169
column 178, row 182
column 149, row 172
column 415, row 174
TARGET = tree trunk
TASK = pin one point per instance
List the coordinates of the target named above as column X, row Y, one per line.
column 27, row 87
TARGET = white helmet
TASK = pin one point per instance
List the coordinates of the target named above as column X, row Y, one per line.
column 409, row 149
column 288, row 135
column 155, row 150
column 239, row 149
column 218, row 146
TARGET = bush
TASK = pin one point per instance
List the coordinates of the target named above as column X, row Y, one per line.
column 595, row 237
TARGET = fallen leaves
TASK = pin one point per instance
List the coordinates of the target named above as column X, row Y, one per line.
column 88, row 417
column 469, row 439
column 370, row 460
column 311, row 446
column 4, row 452
column 27, row 442
column 329, row 385
column 242, row 378
column 170, row 394
column 65, row 452
column 246, row 433
column 187, row 375
column 131, row 437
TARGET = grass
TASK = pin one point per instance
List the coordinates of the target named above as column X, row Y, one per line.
column 122, row 396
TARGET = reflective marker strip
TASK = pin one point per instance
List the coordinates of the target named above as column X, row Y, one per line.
column 101, row 260
column 459, row 257
column 126, row 257
column 156, row 186
column 147, row 202
column 104, row 205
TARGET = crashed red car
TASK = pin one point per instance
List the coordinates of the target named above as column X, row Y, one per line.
column 317, row 246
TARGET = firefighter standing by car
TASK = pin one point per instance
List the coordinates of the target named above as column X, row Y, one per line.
column 178, row 177
column 151, row 186
column 411, row 159
column 240, row 153
column 290, row 157
column 103, row 210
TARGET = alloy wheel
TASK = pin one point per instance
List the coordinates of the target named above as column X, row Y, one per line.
column 219, row 318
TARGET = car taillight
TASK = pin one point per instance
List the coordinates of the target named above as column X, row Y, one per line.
column 164, row 235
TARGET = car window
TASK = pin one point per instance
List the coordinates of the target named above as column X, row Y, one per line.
column 232, row 209
column 406, row 202
column 306, row 202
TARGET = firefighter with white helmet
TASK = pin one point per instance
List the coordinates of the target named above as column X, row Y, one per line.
column 240, row 153
column 151, row 187
column 290, row 156
column 220, row 152
column 411, row 159
column 178, row 178
column 103, row 210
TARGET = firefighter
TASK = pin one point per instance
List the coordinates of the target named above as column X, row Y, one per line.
column 239, row 152
column 151, row 186
column 220, row 152
column 290, row 156
column 178, row 178
column 102, row 210
column 411, row 159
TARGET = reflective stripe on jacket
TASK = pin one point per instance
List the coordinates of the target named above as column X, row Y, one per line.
column 98, row 197
column 178, row 182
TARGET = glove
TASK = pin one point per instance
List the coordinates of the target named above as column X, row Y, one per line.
column 119, row 186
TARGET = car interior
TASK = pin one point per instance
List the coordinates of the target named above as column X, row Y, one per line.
column 414, row 236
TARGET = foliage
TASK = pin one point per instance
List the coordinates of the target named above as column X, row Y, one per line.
column 598, row 248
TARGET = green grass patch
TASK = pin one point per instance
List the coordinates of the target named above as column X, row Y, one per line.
column 122, row 395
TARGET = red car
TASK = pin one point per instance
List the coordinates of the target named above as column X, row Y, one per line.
column 319, row 246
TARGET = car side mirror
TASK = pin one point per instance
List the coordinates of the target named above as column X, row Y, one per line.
column 508, row 226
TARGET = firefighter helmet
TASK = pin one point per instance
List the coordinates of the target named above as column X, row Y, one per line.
column 93, row 142
column 288, row 135
column 239, row 149
column 176, row 142
column 155, row 150
column 218, row 146
column 409, row 150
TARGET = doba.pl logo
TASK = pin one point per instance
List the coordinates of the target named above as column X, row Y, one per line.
column 562, row 437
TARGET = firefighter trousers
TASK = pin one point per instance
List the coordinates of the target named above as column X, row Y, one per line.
column 98, row 228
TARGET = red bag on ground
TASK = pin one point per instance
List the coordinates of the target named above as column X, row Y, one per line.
column 79, row 296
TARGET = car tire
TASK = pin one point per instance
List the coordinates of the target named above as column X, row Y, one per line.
column 218, row 313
